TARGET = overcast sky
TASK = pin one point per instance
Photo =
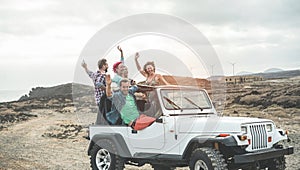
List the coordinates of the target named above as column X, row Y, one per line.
column 41, row 41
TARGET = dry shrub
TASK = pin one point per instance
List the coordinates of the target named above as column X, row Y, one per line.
column 280, row 114
column 276, row 111
column 258, row 114
column 253, row 100
column 294, row 91
column 239, row 108
column 287, row 101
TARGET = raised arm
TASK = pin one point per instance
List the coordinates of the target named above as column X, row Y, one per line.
column 122, row 56
column 89, row 72
column 138, row 66
column 84, row 65
column 108, row 86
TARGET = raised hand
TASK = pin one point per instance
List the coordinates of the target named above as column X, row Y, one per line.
column 137, row 55
column 83, row 64
column 108, row 85
column 108, row 79
column 119, row 48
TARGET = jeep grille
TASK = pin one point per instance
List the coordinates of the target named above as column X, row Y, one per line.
column 259, row 136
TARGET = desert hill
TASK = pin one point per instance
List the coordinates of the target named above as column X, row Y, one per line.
column 273, row 70
column 279, row 74
column 272, row 73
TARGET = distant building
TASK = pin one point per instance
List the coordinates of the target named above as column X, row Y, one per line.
column 242, row 79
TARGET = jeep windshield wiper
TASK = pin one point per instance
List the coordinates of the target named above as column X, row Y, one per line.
column 193, row 103
column 174, row 105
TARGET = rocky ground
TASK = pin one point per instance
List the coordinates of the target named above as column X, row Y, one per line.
column 42, row 131
column 278, row 100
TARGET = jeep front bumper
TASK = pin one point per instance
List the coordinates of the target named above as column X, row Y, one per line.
column 263, row 155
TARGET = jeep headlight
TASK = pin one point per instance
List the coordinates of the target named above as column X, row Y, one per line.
column 269, row 127
column 244, row 129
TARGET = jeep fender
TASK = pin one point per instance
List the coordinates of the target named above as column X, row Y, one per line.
column 204, row 141
column 116, row 138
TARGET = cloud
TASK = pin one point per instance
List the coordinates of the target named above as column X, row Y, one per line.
column 52, row 31
column 247, row 32
column 269, row 13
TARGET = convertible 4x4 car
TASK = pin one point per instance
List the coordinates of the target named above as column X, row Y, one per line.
column 187, row 132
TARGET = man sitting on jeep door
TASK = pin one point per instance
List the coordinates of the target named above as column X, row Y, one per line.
column 123, row 101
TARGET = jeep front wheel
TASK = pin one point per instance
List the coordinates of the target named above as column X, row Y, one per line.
column 103, row 157
column 207, row 159
column 277, row 163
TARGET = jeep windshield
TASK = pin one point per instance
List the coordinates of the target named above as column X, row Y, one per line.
column 181, row 99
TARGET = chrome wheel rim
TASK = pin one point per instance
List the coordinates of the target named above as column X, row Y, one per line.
column 103, row 159
column 200, row 165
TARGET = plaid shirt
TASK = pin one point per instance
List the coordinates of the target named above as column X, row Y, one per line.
column 99, row 81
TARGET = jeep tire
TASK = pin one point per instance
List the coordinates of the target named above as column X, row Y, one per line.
column 277, row 163
column 102, row 159
column 207, row 159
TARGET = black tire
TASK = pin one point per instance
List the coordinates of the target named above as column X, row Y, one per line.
column 277, row 164
column 207, row 159
column 103, row 157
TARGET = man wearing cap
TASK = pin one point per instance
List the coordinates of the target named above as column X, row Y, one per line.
column 121, row 71
column 118, row 67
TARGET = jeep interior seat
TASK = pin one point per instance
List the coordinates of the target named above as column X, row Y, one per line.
column 140, row 105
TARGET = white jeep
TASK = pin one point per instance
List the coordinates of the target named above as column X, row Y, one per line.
column 187, row 132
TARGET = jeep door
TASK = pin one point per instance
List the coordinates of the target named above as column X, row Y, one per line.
column 151, row 137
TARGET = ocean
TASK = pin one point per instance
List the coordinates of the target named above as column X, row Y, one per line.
column 11, row 95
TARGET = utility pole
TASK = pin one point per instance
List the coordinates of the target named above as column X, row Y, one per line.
column 232, row 68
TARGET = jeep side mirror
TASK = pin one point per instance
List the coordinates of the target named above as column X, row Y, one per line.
column 159, row 120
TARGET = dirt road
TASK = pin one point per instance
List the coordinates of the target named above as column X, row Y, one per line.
column 54, row 140
column 24, row 145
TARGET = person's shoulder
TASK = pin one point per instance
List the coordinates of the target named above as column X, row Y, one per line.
column 96, row 73
column 158, row 75
column 116, row 78
column 116, row 94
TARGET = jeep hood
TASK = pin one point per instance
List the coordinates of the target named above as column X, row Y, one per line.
column 214, row 124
